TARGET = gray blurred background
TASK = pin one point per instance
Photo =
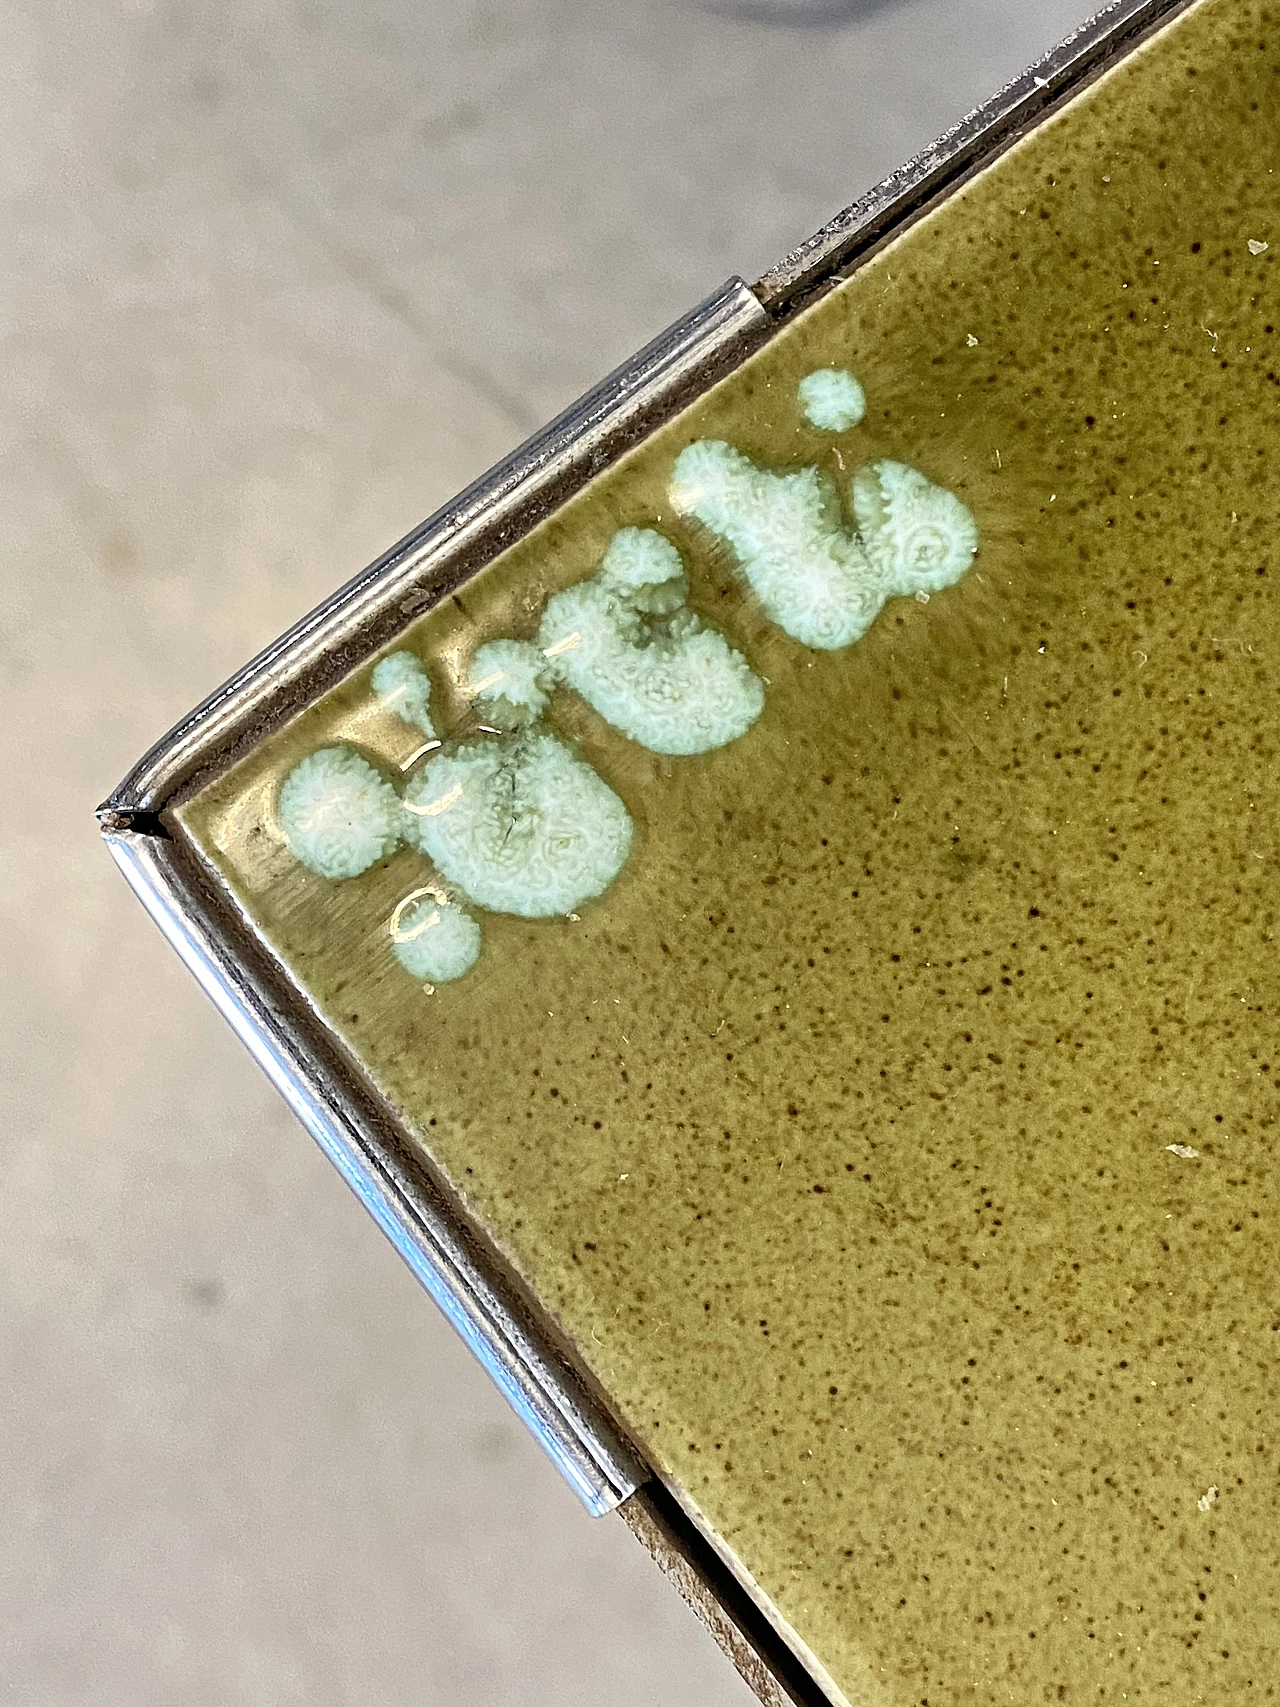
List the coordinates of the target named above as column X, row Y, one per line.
column 276, row 278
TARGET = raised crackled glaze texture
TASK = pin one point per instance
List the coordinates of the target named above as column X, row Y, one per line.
column 810, row 573
column 517, row 821
column 626, row 640
column 832, row 399
column 895, row 1135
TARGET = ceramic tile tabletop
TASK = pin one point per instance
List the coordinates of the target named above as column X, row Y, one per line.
column 860, row 1038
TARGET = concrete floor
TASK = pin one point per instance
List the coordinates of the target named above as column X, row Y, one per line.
column 275, row 279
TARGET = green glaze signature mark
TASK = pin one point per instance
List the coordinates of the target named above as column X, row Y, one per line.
column 513, row 819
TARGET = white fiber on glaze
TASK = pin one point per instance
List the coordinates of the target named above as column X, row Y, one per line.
column 919, row 537
column 432, row 938
column 831, row 399
column 808, row 570
column 628, row 643
column 401, row 685
column 519, row 824
column 338, row 815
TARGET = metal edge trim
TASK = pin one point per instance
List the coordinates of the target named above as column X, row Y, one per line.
column 546, row 1391
column 763, row 1658
column 978, row 139
column 480, row 522
column 597, row 1463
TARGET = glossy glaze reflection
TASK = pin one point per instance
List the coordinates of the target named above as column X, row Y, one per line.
column 893, row 1136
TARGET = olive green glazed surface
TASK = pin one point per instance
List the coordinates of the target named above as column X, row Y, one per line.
column 836, row 1136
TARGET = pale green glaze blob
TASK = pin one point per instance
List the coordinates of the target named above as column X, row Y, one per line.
column 786, row 533
column 434, row 939
column 832, row 399
column 337, row 814
column 835, row 1135
column 519, row 825
column 401, row 685
column 918, row 537
column 626, row 640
